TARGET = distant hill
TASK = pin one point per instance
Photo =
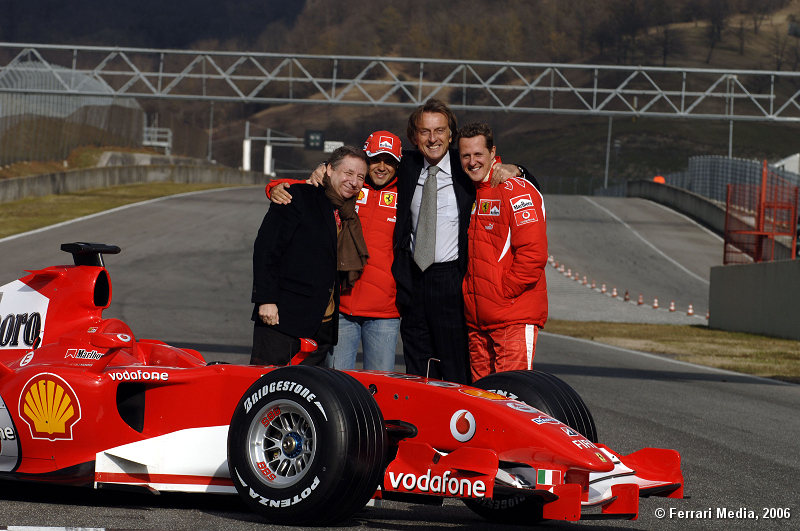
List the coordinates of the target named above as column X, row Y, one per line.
column 753, row 34
column 142, row 23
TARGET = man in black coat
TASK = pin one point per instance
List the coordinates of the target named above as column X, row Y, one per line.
column 295, row 278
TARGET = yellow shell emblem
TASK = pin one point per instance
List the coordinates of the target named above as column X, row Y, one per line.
column 483, row 394
column 49, row 406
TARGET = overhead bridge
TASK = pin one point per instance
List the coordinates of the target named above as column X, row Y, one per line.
column 271, row 78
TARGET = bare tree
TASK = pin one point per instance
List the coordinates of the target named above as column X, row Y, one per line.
column 741, row 35
column 778, row 44
column 717, row 12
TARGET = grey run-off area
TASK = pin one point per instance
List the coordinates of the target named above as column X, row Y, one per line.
column 184, row 277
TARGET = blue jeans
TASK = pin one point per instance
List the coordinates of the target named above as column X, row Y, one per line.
column 379, row 339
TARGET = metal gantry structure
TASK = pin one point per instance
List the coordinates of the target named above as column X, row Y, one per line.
column 271, row 78
column 402, row 82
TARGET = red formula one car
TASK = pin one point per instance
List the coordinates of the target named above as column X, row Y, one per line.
column 83, row 401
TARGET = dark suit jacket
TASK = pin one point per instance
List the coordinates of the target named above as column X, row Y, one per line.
column 408, row 174
column 294, row 261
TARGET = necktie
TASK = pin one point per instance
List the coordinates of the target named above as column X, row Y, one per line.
column 425, row 240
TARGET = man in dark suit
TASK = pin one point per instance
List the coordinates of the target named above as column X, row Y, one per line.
column 295, row 279
column 429, row 294
column 429, row 269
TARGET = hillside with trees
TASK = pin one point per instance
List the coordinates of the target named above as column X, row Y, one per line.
column 742, row 34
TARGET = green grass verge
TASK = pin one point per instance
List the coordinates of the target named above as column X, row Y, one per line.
column 747, row 353
column 36, row 212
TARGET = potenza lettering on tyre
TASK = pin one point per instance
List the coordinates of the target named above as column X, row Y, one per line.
column 285, row 502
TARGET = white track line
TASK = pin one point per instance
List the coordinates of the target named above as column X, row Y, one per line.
column 117, row 209
column 687, row 218
column 646, row 242
column 669, row 360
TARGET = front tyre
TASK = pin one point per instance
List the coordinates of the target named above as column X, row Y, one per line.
column 547, row 393
column 306, row 445
column 552, row 396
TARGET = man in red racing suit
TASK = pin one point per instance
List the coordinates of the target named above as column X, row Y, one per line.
column 505, row 288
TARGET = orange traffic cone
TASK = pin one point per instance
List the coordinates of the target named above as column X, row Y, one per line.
column 672, row 306
column 614, row 292
column 655, row 304
column 641, row 300
column 690, row 311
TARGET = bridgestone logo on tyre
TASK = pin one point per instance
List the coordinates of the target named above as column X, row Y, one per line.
column 283, row 385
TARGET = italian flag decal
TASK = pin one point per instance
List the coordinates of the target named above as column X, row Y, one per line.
column 548, row 477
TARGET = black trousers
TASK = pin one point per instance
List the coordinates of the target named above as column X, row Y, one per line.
column 433, row 326
column 272, row 347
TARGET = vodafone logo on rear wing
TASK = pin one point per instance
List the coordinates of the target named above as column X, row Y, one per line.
column 23, row 312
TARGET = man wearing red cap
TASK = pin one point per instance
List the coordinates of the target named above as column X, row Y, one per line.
column 367, row 311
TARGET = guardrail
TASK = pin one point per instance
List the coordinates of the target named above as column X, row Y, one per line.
column 86, row 179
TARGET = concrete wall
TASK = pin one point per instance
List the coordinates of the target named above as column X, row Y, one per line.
column 77, row 180
column 759, row 298
column 697, row 207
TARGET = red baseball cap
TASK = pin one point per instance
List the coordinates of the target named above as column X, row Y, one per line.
column 383, row 142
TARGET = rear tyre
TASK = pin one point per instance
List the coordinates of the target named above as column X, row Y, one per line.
column 551, row 395
column 306, row 445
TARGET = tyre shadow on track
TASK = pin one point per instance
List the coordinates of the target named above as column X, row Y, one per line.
column 34, row 503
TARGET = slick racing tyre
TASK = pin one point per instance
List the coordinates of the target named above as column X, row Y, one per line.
column 552, row 396
column 547, row 393
column 306, row 445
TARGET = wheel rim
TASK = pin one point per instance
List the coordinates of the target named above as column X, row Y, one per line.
column 282, row 443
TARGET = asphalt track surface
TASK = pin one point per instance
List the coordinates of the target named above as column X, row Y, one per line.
column 184, row 277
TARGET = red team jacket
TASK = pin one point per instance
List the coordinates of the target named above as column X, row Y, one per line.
column 505, row 282
column 373, row 294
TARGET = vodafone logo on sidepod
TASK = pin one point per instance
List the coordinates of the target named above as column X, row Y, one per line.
column 462, row 425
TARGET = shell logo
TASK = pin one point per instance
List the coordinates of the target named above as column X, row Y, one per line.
column 462, row 425
column 480, row 393
column 49, row 407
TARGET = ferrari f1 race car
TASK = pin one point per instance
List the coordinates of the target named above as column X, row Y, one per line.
column 84, row 402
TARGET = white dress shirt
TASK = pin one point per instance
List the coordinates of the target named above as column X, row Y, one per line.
column 446, row 210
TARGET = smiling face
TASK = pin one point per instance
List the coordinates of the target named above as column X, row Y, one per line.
column 382, row 168
column 476, row 158
column 347, row 177
column 433, row 136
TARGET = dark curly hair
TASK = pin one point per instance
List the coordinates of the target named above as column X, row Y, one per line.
column 474, row 129
column 432, row 105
